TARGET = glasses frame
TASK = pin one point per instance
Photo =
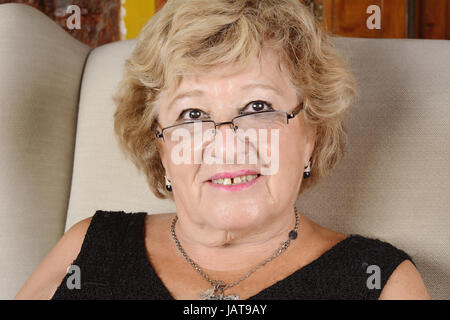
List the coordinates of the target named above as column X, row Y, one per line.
column 295, row 112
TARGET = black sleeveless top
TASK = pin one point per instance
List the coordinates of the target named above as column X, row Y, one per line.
column 114, row 265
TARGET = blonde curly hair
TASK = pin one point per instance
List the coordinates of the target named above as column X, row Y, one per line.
column 186, row 37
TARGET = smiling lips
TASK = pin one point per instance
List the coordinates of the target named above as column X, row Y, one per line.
column 233, row 181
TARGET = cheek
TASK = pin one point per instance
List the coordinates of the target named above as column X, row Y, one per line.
column 163, row 154
column 292, row 149
column 184, row 174
column 290, row 162
column 176, row 154
column 182, row 170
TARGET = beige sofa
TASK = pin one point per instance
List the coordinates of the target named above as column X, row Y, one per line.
column 59, row 161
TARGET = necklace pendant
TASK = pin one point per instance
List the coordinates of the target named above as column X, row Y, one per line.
column 210, row 294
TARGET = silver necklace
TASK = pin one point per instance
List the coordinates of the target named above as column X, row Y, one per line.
column 219, row 286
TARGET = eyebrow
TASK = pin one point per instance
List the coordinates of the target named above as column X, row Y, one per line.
column 199, row 92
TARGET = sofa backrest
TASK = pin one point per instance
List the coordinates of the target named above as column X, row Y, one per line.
column 103, row 179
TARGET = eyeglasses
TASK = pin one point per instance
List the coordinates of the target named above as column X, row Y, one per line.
column 271, row 119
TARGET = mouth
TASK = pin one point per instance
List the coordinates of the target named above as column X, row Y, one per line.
column 234, row 181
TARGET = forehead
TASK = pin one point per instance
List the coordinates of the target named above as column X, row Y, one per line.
column 266, row 70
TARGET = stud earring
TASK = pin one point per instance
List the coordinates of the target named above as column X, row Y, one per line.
column 307, row 171
column 168, row 185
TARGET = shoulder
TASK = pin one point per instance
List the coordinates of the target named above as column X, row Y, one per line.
column 362, row 267
column 105, row 221
column 45, row 278
column 101, row 214
column 78, row 232
column 405, row 283
column 99, row 238
column 401, row 278
column 105, row 226
column 158, row 219
column 358, row 248
column 398, row 277
column 378, row 252
column 375, row 253
column 156, row 226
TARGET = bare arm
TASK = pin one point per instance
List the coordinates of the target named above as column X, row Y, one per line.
column 405, row 283
column 44, row 281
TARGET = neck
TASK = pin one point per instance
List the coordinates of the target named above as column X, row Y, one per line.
column 225, row 251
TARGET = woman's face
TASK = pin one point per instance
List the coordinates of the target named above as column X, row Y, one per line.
column 198, row 191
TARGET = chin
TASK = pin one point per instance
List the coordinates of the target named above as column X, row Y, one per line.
column 235, row 217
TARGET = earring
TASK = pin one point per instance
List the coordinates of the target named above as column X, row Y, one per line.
column 168, row 185
column 307, row 171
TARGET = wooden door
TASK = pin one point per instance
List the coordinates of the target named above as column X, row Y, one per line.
column 432, row 19
column 349, row 18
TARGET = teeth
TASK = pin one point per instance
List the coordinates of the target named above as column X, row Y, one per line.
column 235, row 180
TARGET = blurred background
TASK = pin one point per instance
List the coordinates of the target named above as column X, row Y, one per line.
column 104, row 21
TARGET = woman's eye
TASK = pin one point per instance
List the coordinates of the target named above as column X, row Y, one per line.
column 257, row 106
column 191, row 114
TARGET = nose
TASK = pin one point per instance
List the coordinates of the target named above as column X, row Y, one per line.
column 224, row 142
column 226, row 124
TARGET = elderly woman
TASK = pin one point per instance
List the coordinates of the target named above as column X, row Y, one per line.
column 231, row 109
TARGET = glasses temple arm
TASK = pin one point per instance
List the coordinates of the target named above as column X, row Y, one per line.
column 296, row 111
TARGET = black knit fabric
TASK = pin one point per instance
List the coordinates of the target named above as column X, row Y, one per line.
column 114, row 265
